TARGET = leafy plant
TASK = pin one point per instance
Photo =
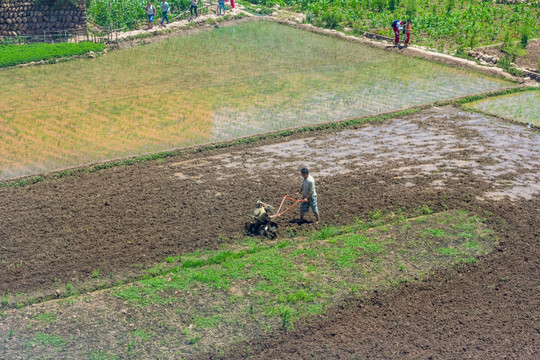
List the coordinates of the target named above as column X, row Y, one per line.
column 331, row 19
column 450, row 5
column 379, row 5
column 505, row 64
column 95, row 274
column 48, row 318
column 526, row 31
column 412, row 8
column 511, row 48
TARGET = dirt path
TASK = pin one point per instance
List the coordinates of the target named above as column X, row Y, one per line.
column 158, row 30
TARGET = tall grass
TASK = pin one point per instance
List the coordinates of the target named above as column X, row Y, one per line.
column 215, row 85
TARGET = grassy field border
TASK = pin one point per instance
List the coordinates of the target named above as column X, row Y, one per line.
column 463, row 105
column 345, row 123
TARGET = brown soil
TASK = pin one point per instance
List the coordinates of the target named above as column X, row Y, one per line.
column 528, row 61
column 60, row 231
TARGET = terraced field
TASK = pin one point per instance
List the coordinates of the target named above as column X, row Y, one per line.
column 523, row 107
column 211, row 86
column 428, row 245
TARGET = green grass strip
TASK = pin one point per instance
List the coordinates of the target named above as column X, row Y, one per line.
column 507, row 91
column 297, row 277
column 11, row 55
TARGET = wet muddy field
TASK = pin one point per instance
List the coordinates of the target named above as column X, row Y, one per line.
column 114, row 220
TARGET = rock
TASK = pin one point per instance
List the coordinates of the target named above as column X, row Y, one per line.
column 236, row 291
column 58, row 293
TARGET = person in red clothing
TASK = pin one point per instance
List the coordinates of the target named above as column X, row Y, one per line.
column 396, row 26
column 408, row 30
column 232, row 4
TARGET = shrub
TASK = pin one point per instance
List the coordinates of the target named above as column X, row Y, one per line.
column 505, row 64
column 331, row 19
column 525, row 32
column 473, row 37
column 512, row 49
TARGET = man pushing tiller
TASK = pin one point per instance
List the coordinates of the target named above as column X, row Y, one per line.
column 262, row 223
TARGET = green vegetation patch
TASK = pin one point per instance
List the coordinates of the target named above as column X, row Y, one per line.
column 11, row 55
column 267, row 285
column 522, row 107
column 48, row 340
column 436, row 23
column 209, row 299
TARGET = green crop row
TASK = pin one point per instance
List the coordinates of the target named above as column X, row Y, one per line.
column 436, row 23
column 124, row 13
column 11, row 55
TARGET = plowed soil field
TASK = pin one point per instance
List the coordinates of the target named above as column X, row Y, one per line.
column 60, row 231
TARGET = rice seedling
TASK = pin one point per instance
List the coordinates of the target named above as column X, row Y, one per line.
column 523, row 107
column 233, row 81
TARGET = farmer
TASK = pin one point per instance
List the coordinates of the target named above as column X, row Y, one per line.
column 193, row 7
column 309, row 195
column 408, row 30
column 151, row 11
column 221, row 5
column 396, row 26
column 164, row 10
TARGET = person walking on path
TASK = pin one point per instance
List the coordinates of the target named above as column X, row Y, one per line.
column 396, row 26
column 408, row 30
column 221, row 5
column 232, row 4
column 309, row 195
column 193, row 8
column 164, row 10
column 151, row 11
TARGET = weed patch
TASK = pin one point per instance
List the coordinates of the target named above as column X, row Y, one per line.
column 269, row 286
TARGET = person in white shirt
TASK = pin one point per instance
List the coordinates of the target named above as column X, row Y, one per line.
column 151, row 11
column 309, row 195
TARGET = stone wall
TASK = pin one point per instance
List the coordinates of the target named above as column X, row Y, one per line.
column 23, row 17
